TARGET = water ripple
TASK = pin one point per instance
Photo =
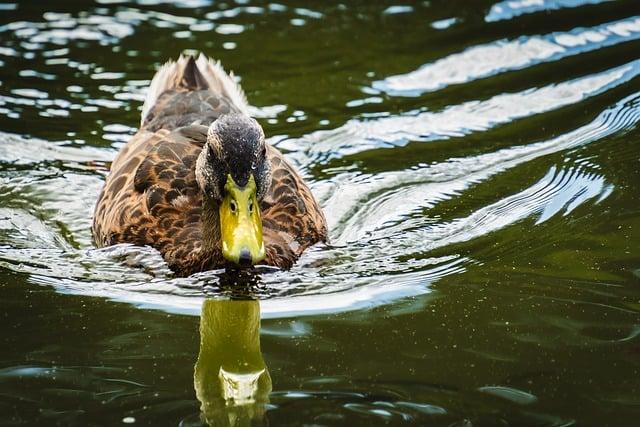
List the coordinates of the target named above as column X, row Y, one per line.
column 352, row 196
column 507, row 55
column 392, row 233
column 454, row 121
column 371, row 268
column 510, row 9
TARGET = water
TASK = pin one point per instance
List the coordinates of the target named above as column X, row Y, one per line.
column 479, row 169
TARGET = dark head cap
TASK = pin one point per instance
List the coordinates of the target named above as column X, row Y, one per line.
column 235, row 146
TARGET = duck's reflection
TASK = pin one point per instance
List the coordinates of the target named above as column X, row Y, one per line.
column 231, row 379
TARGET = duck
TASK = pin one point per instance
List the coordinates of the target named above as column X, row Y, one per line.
column 199, row 183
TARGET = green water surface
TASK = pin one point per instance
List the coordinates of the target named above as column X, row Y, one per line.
column 479, row 167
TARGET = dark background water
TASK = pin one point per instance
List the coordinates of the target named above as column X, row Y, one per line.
column 479, row 168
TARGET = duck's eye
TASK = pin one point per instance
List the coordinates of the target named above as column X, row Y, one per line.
column 232, row 206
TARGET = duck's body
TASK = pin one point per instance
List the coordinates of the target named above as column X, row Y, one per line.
column 153, row 196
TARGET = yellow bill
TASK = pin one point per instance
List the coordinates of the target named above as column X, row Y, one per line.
column 241, row 224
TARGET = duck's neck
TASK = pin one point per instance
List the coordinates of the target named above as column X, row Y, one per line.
column 211, row 226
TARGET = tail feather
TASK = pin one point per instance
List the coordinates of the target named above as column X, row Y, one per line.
column 190, row 77
column 189, row 73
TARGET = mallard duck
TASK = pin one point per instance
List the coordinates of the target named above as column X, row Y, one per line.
column 199, row 183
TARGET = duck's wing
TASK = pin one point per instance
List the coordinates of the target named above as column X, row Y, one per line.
column 152, row 196
column 291, row 217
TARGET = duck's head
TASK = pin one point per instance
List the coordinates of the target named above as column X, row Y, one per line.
column 234, row 174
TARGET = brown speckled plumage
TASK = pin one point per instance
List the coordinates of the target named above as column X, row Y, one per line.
column 151, row 195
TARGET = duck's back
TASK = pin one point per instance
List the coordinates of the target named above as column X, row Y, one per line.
column 151, row 196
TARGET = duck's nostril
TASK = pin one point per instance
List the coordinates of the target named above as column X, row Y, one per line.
column 245, row 258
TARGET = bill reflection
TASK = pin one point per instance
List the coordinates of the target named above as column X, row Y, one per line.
column 231, row 379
